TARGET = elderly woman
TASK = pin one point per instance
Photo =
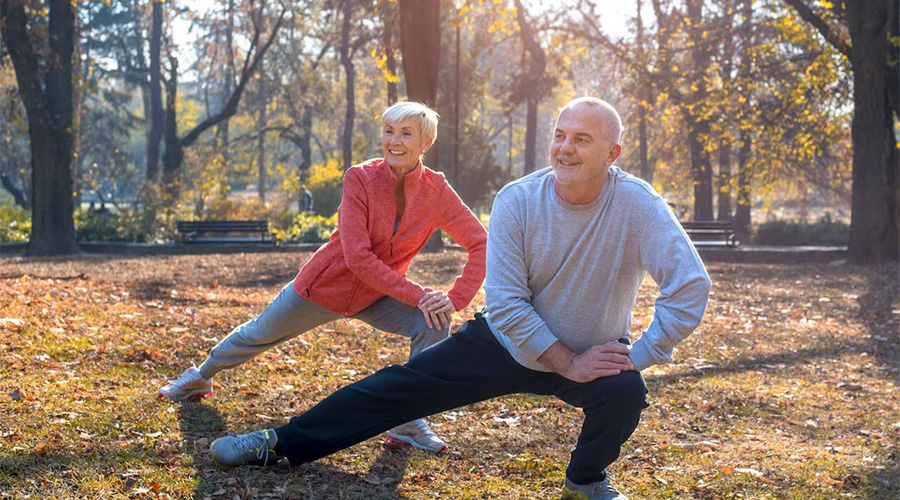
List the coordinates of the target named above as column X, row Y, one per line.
column 389, row 209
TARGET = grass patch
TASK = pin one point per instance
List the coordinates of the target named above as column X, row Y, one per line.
column 788, row 390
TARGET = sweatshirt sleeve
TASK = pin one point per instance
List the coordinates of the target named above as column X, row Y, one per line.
column 464, row 228
column 507, row 295
column 357, row 245
column 684, row 285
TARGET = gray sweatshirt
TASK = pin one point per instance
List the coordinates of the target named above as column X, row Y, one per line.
column 557, row 271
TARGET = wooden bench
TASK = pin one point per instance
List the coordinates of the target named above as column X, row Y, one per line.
column 191, row 231
column 711, row 233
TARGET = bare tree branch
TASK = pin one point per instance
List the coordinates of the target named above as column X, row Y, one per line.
column 829, row 33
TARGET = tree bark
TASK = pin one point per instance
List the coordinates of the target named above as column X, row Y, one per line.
column 535, row 91
column 155, row 133
column 646, row 168
column 744, row 188
column 875, row 217
column 420, row 46
column 350, row 89
column 699, row 127
column 48, row 100
column 723, row 197
column 875, row 220
column 174, row 154
column 261, row 140
column 389, row 20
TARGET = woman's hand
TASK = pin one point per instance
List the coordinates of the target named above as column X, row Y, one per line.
column 437, row 308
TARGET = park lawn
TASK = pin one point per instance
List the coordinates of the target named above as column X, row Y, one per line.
column 789, row 389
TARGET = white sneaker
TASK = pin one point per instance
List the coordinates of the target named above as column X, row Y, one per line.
column 601, row 490
column 416, row 434
column 255, row 448
column 190, row 385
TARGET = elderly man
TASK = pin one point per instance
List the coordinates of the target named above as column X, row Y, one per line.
column 568, row 248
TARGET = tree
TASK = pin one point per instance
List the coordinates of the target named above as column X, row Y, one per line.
column 875, row 217
column 532, row 85
column 42, row 51
column 175, row 144
column 420, row 47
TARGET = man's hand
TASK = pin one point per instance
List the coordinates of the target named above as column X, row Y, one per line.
column 599, row 361
column 437, row 308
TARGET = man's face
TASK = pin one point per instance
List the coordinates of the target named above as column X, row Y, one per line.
column 581, row 151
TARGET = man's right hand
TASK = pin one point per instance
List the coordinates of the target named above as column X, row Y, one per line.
column 599, row 361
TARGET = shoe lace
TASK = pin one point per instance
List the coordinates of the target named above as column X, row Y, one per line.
column 423, row 428
column 255, row 442
column 187, row 377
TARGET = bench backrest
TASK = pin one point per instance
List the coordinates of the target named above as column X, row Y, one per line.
column 223, row 225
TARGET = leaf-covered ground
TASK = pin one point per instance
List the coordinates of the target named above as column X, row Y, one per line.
column 788, row 390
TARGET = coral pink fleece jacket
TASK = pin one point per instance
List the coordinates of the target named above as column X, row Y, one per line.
column 367, row 259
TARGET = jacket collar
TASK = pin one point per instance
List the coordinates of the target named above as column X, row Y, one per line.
column 412, row 177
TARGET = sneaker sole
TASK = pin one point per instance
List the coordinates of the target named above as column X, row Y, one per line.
column 406, row 441
column 190, row 396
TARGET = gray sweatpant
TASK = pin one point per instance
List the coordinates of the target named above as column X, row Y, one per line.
column 289, row 315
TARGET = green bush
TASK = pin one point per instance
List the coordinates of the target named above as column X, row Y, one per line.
column 91, row 226
column 15, row 224
column 825, row 231
column 307, row 228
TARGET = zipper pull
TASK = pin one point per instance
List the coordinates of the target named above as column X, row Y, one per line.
column 307, row 293
column 392, row 249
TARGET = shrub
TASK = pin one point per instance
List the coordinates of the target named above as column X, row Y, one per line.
column 110, row 226
column 15, row 224
column 307, row 228
column 326, row 181
column 825, row 231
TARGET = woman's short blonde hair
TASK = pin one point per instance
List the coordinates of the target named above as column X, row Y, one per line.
column 426, row 117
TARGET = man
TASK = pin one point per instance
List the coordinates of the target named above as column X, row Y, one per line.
column 307, row 199
column 568, row 248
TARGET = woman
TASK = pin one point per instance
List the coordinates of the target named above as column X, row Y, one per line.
column 389, row 209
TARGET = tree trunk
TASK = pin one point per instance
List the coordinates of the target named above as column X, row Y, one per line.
column 701, row 171
column 534, row 88
column 723, row 197
column 49, row 106
column 745, row 190
column 389, row 20
column 350, row 91
column 875, row 220
column 174, row 155
column 531, row 121
column 646, row 168
column 420, row 25
column 420, row 45
column 155, row 133
column 698, row 127
column 261, row 140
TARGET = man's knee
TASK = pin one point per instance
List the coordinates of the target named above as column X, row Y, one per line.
column 627, row 392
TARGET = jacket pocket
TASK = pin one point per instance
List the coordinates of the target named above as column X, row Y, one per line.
column 321, row 274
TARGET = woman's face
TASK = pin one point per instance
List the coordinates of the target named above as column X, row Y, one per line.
column 403, row 144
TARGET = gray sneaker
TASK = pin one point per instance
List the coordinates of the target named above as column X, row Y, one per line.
column 601, row 490
column 255, row 448
column 190, row 385
column 416, row 434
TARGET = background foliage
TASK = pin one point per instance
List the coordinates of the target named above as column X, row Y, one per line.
column 758, row 74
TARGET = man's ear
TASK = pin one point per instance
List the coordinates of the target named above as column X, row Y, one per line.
column 614, row 154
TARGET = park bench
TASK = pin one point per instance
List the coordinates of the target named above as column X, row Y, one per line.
column 711, row 233
column 191, row 231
